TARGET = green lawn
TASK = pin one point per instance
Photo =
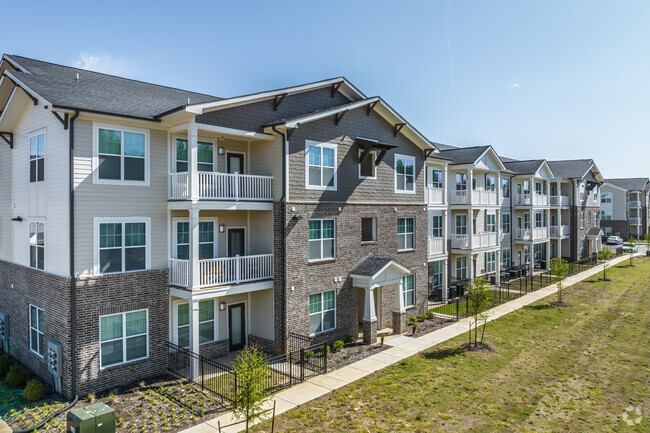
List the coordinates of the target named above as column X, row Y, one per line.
column 572, row 369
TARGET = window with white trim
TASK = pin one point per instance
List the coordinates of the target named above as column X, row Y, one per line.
column 540, row 252
column 321, row 165
column 461, row 181
column 582, row 220
column 505, row 223
column 408, row 290
column 322, row 239
column 37, row 157
column 505, row 258
column 606, row 197
column 322, row 312
column 123, row 246
column 436, row 226
column 367, row 168
column 123, row 337
column 461, row 224
column 490, row 182
column 437, row 273
column 539, row 188
column 368, row 229
column 490, row 222
column 122, row 155
column 505, row 187
column 36, row 343
column 605, row 215
column 405, row 234
column 37, row 245
column 436, row 179
column 539, row 219
column 205, row 156
column 490, row 261
column 404, row 174
column 207, row 244
column 461, row 267
column 207, row 323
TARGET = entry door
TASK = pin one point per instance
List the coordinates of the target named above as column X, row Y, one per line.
column 236, row 242
column 235, row 163
column 236, row 326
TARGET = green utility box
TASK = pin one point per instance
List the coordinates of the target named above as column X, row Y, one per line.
column 96, row 418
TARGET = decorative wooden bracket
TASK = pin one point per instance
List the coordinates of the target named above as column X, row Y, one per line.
column 64, row 120
column 397, row 128
column 428, row 152
column 371, row 107
column 339, row 116
column 335, row 88
column 381, row 156
column 278, row 100
column 364, row 155
column 290, row 132
column 8, row 137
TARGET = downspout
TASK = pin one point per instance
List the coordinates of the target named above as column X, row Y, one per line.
column 512, row 223
column 283, row 201
column 73, row 281
column 574, row 219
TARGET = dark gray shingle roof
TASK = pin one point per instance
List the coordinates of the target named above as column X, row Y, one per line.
column 371, row 265
column 524, row 167
column 101, row 92
column 571, row 169
column 464, row 155
column 630, row 184
column 594, row 231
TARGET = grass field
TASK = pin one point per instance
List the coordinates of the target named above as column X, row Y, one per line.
column 552, row 369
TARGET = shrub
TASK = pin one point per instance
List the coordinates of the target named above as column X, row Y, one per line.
column 431, row 314
column 325, row 349
column 338, row 345
column 411, row 321
column 381, row 338
column 90, row 398
column 33, row 391
column 5, row 364
column 422, row 317
column 415, row 327
column 349, row 339
column 309, row 354
column 16, row 376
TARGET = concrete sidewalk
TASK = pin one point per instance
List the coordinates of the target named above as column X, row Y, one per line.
column 401, row 347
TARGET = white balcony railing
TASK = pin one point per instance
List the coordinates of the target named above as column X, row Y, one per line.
column 523, row 234
column 559, row 230
column 484, row 197
column 435, row 195
column 540, row 200
column 436, row 245
column 522, row 200
column 458, row 197
column 224, row 270
column 483, row 240
column 559, row 200
column 635, row 221
column 459, row 241
column 540, row 232
column 223, row 186
column 634, row 204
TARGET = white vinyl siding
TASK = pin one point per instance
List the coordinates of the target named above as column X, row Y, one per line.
column 124, row 337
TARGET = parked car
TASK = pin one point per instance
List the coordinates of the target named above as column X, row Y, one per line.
column 629, row 247
column 614, row 240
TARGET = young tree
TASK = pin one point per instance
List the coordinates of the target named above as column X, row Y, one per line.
column 646, row 238
column 479, row 301
column 252, row 372
column 632, row 241
column 603, row 256
column 559, row 269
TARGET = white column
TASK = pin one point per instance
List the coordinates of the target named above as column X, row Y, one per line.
column 194, row 338
column 470, row 266
column 559, row 248
column 445, row 225
column 469, row 185
column 445, row 280
column 445, row 188
column 470, row 227
column 548, row 254
column 194, row 278
column 497, row 222
column 498, row 186
column 369, row 314
column 398, row 302
column 497, row 261
column 193, row 162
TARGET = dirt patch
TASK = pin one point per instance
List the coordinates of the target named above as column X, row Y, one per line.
column 560, row 304
column 478, row 347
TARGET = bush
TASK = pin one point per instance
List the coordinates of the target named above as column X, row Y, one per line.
column 381, row 337
column 325, row 349
column 5, row 364
column 431, row 314
column 16, row 376
column 33, row 391
column 338, row 345
column 309, row 354
column 349, row 339
column 411, row 321
column 415, row 326
column 422, row 317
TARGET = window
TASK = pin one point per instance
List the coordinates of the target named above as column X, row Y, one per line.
column 205, row 156
column 607, row 231
column 122, row 245
column 123, row 337
column 582, row 220
column 461, row 268
column 322, row 312
column 321, row 173
column 490, row 222
column 461, row 224
column 367, row 166
column 605, row 215
column 505, row 258
column 405, row 234
column 368, row 229
column 539, row 188
column 490, row 261
column 37, row 158
column 207, row 326
column 437, row 273
column 539, row 219
column 539, row 252
column 490, row 182
column 596, row 192
column 505, row 187
column 404, row 174
column 526, row 187
column 408, row 290
column 527, row 254
column 589, row 218
column 474, row 183
column 321, row 239
column 37, row 245
column 461, row 181
column 606, row 197
column 436, row 226
column 36, row 343
column 436, row 179
column 505, row 223
column 121, row 155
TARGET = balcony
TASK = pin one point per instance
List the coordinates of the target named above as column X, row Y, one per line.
column 436, row 245
column 561, row 200
column 559, row 231
column 479, row 197
column 522, row 200
column 458, row 197
column 223, row 271
column 222, row 186
column 479, row 240
column 531, row 234
column 634, row 204
column 635, row 221
column 435, row 195
column 540, row 200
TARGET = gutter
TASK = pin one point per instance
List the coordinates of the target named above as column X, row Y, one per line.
column 73, row 281
column 283, row 205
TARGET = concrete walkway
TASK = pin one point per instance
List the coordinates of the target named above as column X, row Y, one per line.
column 401, row 347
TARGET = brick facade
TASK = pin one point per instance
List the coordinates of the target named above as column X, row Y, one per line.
column 579, row 235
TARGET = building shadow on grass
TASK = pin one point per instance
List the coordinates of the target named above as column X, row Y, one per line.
column 444, row 353
column 538, row 307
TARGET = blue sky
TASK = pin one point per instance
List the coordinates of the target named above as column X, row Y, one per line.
column 535, row 79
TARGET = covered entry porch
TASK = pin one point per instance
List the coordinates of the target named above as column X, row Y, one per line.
column 386, row 288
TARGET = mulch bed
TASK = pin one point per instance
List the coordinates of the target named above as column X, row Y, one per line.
column 478, row 347
column 351, row 354
column 429, row 325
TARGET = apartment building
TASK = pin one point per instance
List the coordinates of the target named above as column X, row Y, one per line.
column 133, row 214
column 625, row 207
column 575, row 208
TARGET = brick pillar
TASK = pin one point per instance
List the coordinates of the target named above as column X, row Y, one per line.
column 369, row 332
column 399, row 322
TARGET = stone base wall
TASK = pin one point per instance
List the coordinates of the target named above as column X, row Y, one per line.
column 399, row 322
column 370, row 332
column 215, row 350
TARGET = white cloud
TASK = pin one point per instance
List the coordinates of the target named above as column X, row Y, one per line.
column 103, row 62
column 513, row 86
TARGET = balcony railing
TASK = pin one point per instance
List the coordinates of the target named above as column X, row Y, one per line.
column 458, row 197
column 479, row 240
column 484, row 197
column 634, row 204
column 535, row 232
column 223, row 186
column 459, row 241
column 559, row 200
column 559, row 230
column 540, row 200
column 522, row 200
column 224, row 270
column 436, row 245
column 635, row 220
column 435, row 195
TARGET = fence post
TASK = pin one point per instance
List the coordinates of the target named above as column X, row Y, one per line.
column 302, row 364
column 457, row 307
column 325, row 357
column 290, row 368
column 201, row 372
